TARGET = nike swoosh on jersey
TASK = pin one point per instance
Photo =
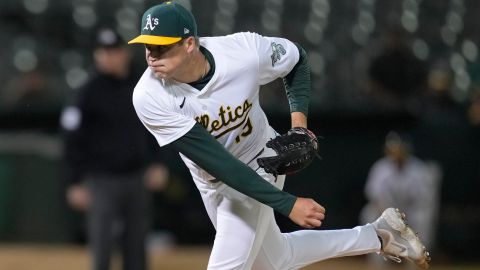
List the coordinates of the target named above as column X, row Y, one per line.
column 183, row 103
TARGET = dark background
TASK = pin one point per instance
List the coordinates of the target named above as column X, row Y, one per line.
column 46, row 55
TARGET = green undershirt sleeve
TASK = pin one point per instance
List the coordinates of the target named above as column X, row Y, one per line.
column 200, row 146
column 298, row 85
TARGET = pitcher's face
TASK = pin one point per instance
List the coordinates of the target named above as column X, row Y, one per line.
column 166, row 60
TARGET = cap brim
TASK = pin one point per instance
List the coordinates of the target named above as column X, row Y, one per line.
column 154, row 40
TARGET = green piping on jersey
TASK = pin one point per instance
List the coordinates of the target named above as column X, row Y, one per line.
column 199, row 146
column 200, row 83
column 298, row 85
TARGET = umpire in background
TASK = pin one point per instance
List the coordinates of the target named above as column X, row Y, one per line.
column 106, row 149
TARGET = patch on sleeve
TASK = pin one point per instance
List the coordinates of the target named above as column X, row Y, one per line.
column 277, row 51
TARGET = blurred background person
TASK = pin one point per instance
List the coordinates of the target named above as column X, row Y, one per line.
column 402, row 180
column 31, row 92
column 397, row 78
column 106, row 149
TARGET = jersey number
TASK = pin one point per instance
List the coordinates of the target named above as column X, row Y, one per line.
column 247, row 130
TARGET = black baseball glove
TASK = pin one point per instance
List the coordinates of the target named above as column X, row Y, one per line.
column 295, row 151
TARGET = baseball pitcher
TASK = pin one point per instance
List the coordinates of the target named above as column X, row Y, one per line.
column 202, row 96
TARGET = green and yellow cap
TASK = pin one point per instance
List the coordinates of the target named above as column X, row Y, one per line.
column 166, row 24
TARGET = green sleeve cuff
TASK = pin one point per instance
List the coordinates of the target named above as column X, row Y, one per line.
column 199, row 146
column 298, row 84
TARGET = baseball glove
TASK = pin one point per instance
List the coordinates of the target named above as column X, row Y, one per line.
column 295, row 151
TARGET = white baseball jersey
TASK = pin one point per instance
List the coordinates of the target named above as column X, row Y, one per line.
column 228, row 106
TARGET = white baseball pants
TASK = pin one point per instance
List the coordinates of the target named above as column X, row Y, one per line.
column 247, row 236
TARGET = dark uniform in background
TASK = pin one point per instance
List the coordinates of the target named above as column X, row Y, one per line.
column 106, row 149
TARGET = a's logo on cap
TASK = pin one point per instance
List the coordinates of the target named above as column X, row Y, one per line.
column 150, row 23
column 186, row 31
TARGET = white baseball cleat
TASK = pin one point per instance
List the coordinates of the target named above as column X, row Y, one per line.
column 398, row 239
